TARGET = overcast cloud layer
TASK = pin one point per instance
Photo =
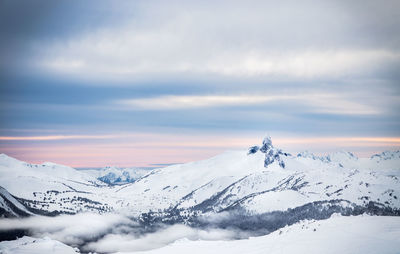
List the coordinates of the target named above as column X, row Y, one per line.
column 216, row 68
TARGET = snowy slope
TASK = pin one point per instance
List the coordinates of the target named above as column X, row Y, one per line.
column 32, row 245
column 352, row 235
column 165, row 187
column 11, row 207
column 51, row 188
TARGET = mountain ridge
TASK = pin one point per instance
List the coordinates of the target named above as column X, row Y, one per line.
column 260, row 180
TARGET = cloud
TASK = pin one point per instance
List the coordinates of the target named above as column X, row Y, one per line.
column 69, row 229
column 261, row 40
column 329, row 68
column 316, row 103
column 160, row 238
column 172, row 102
column 307, row 64
column 141, row 40
column 107, row 233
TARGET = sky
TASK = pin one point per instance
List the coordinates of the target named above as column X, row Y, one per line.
column 140, row 83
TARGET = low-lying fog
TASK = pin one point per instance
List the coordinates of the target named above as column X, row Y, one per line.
column 112, row 232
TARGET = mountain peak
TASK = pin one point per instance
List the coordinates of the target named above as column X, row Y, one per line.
column 266, row 144
column 272, row 154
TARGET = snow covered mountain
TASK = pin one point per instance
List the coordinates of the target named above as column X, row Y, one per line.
column 47, row 189
column 267, row 179
column 261, row 180
column 117, row 176
column 257, row 191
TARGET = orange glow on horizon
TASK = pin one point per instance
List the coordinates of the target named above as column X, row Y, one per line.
column 126, row 150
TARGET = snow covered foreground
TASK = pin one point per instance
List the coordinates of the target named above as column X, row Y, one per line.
column 340, row 234
column 32, row 245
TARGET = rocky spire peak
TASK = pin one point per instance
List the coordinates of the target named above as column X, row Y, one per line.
column 271, row 153
column 266, row 145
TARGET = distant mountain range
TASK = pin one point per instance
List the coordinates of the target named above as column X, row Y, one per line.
column 116, row 175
